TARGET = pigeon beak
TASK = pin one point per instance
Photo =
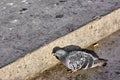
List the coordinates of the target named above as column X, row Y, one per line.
column 53, row 54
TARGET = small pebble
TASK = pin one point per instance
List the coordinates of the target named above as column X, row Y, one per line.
column 10, row 4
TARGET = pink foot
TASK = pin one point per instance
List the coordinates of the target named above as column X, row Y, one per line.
column 72, row 71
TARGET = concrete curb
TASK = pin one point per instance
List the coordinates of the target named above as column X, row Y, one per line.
column 41, row 59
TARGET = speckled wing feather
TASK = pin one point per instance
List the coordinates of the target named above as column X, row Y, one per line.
column 78, row 60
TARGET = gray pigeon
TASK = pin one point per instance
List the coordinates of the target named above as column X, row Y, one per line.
column 76, row 58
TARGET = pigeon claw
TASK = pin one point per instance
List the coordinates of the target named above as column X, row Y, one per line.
column 72, row 71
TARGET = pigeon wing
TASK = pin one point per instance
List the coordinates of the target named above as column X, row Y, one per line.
column 90, row 52
column 71, row 48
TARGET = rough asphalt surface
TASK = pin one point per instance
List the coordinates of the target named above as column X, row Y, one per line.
column 26, row 25
column 108, row 48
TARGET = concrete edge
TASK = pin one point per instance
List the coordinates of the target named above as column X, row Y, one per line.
column 41, row 59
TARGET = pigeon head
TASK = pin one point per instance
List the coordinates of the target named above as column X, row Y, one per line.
column 55, row 49
column 59, row 52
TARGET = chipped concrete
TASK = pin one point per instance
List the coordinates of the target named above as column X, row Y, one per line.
column 108, row 48
column 41, row 59
column 26, row 25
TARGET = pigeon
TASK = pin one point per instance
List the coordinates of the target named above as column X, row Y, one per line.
column 76, row 58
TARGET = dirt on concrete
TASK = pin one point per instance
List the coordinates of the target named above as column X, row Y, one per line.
column 108, row 48
column 26, row 25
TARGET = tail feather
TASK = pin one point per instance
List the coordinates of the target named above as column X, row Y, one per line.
column 100, row 62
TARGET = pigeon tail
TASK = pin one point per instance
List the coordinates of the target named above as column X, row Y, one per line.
column 100, row 62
